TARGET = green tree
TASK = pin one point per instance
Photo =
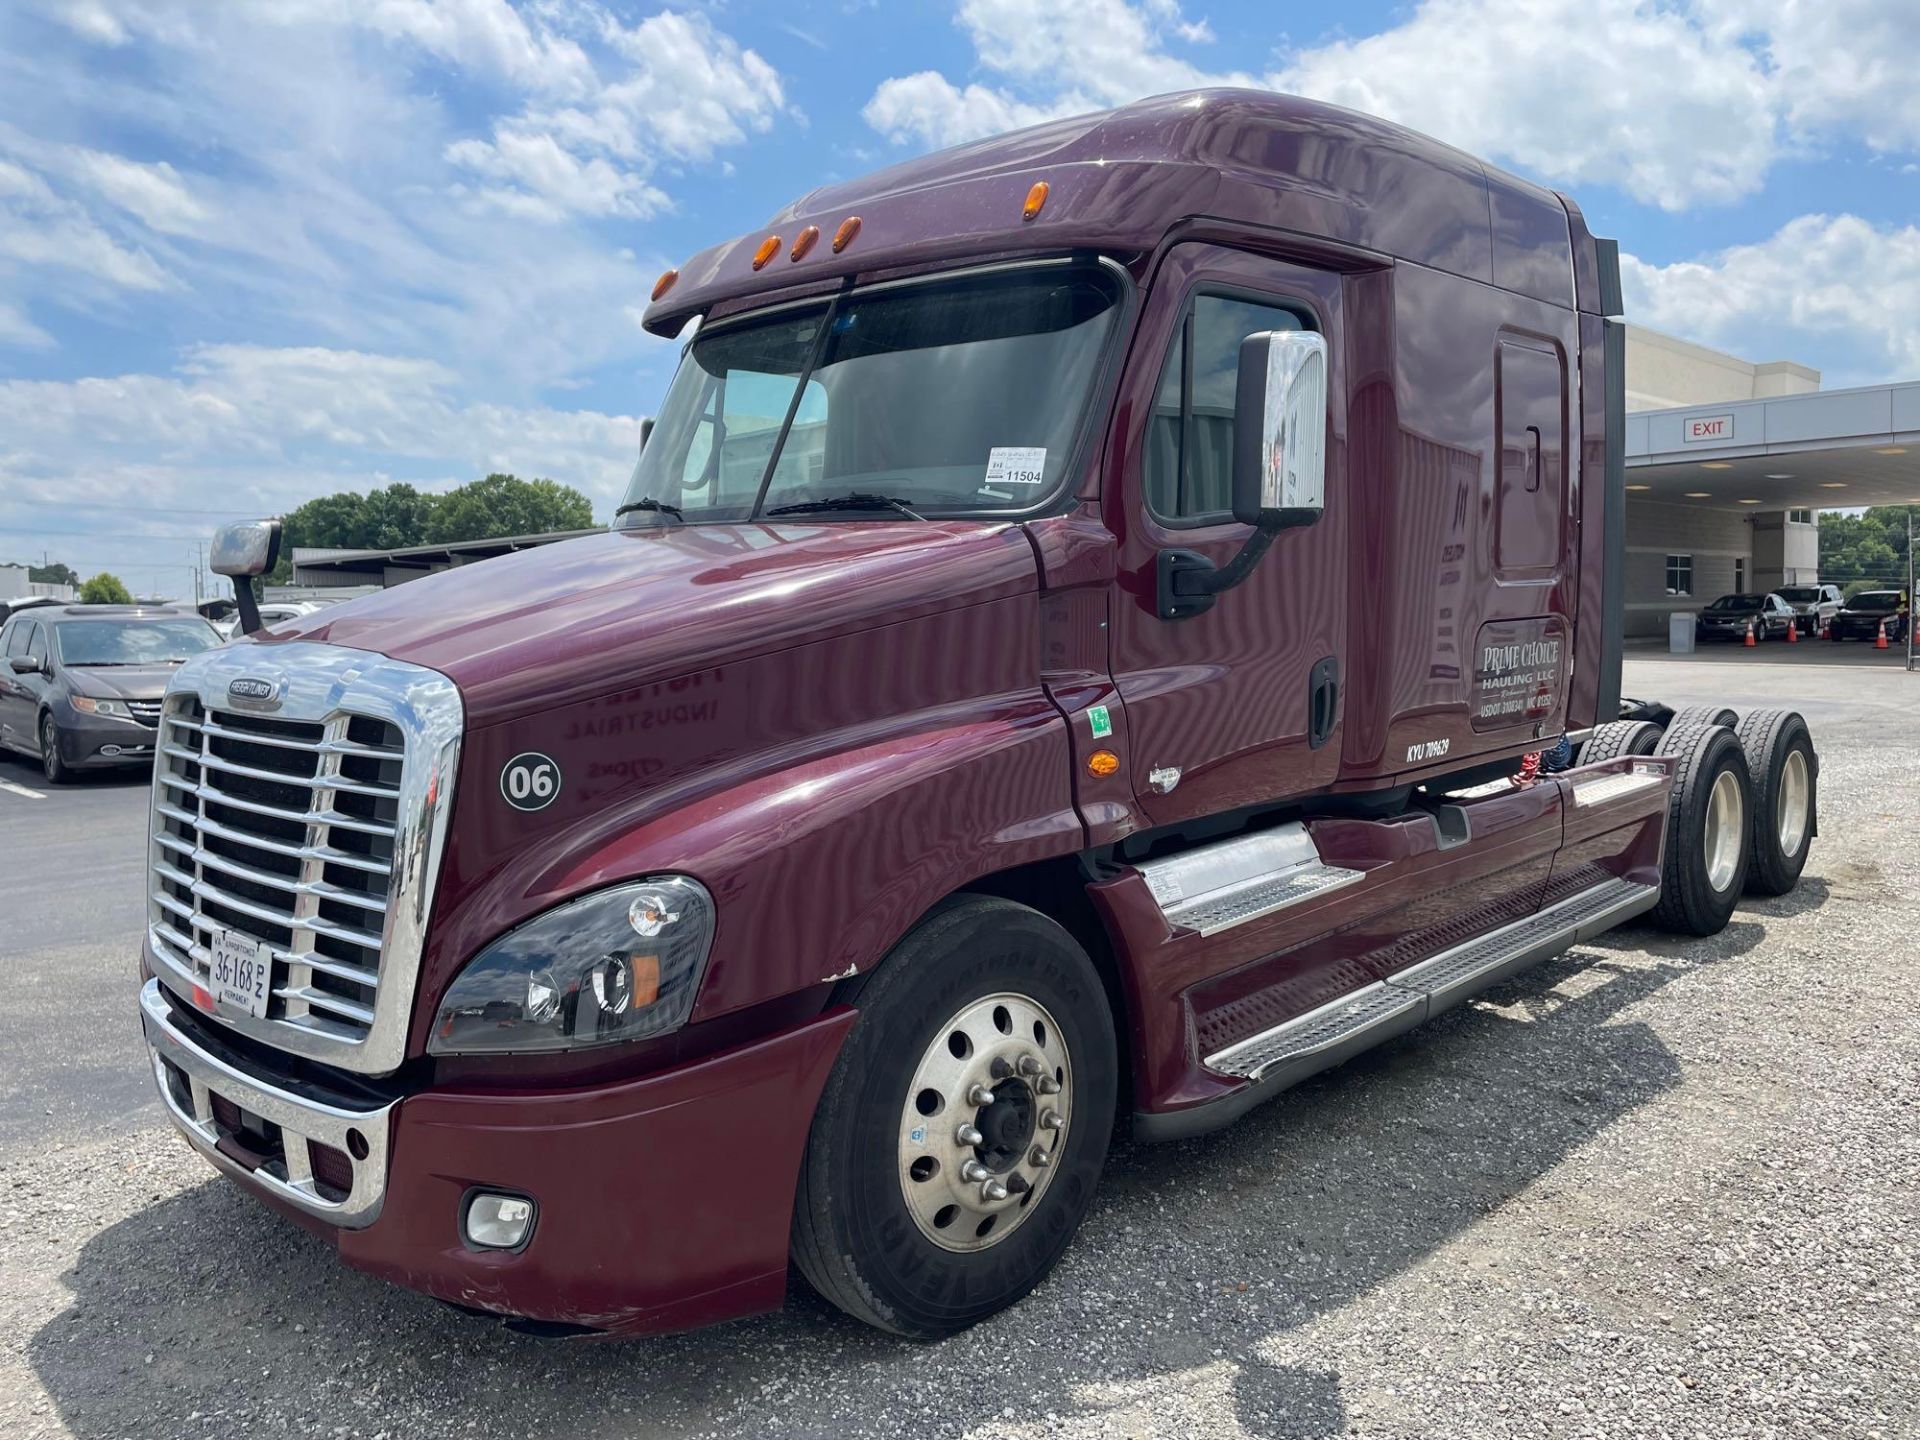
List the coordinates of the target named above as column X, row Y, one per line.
column 105, row 589
column 54, row 574
column 507, row 505
column 1869, row 547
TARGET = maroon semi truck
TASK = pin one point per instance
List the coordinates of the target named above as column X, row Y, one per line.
column 1075, row 650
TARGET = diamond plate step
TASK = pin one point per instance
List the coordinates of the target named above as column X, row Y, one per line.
column 1378, row 1011
column 1216, row 887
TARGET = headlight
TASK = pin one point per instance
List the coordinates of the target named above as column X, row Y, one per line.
column 620, row 964
column 116, row 708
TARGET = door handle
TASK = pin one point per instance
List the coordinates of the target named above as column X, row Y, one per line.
column 1323, row 701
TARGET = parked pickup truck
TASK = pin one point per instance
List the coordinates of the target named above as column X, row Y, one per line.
column 1076, row 649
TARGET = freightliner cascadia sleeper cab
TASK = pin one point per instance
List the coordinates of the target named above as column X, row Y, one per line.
column 1076, row 650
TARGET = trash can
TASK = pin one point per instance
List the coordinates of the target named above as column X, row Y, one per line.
column 1680, row 633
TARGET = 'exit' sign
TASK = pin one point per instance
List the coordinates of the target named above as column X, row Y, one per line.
column 1707, row 427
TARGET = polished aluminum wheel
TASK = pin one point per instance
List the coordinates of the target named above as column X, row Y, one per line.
column 1726, row 829
column 984, row 1121
column 1792, row 808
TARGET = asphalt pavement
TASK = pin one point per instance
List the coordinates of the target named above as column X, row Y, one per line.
column 1650, row 1188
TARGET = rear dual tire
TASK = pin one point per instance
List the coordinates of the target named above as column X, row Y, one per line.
column 1709, row 842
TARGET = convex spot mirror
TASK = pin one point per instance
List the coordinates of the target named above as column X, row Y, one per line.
column 247, row 548
column 1280, row 430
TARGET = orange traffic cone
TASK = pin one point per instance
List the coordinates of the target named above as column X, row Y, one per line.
column 1749, row 640
column 1793, row 633
column 1880, row 639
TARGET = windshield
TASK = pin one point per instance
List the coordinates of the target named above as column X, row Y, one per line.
column 1799, row 594
column 1875, row 600
column 1739, row 602
column 132, row 642
column 955, row 395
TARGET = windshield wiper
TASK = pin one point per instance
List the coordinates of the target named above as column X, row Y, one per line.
column 647, row 502
column 856, row 501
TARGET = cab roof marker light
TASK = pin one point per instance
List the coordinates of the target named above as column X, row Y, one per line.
column 665, row 282
column 843, row 237
column 803, row 242
column 769, row 248
column 1036, row 200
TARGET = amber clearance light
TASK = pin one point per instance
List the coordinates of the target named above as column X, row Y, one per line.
column 1036, row 199
column 1102, row 762
column 843, row 237
column 804, row 241
column 665, row 282
column 769, row 248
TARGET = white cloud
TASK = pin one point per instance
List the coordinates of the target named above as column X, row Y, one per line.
column 257, row 412
column 1678, row 104
column 17, row 329
column 154, row 194
column 1821, row 281
column 41, row 230
column 682, row 90
column 1617, row 92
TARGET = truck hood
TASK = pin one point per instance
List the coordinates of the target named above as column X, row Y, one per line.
column 556, row 624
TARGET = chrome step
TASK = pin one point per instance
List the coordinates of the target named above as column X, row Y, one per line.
column 1378, row 1011
column 1363, row 1012
column 1216, row 887
column 1454, row 974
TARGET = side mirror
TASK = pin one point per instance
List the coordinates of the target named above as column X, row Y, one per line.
column 27, row 665
column 248, row 548
column 245, row 550
column 1279, row 463
column 1280, row 429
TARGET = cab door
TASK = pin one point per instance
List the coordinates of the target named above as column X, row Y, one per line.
column 1239, row 703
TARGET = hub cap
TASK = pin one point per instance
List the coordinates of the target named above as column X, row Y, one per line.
column 1792, row 808
column 1725, row 829
column 984, row 1121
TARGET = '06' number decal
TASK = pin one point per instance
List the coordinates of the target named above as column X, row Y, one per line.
column 530, row 780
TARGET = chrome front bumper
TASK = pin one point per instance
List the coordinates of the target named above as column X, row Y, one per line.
column 180, row 1065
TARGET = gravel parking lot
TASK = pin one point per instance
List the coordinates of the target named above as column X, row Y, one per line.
column 1649, row 1189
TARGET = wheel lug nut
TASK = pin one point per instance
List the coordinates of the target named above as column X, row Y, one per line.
column 968, row 1135
column 973, row 1172
column 993, row 1190
column 1039, row 1158
column 1029, row 1065
column 1047, row 1085
column 980, row 1095
column 1050, row 1120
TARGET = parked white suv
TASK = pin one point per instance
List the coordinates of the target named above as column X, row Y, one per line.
column 1813, row 605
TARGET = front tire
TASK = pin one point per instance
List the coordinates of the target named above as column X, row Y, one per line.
column 57, row 771
column 920, row 1210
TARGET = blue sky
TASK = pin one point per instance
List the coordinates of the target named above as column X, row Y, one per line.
column 254, row 252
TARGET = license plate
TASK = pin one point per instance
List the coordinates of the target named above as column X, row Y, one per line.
column 242, row 972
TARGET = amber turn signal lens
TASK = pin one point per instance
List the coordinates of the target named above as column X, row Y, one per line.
column 665, row 282
column 804, row 241
column 1036, row 198
column 843, row 237
column 646, row 979
column 1102, row 762
column 769, row 248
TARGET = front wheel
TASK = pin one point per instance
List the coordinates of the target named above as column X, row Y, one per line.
column 961, row 1134
column 51, row 765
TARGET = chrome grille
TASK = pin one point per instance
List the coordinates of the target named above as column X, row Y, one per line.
column 283, row 830
column 300, row 798
column 147, row 712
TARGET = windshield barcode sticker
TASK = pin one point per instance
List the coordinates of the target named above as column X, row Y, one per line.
column 1016, row 464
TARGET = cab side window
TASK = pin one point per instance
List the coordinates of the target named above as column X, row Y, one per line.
column 1188, row 469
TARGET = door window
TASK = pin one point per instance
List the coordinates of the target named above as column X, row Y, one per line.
column 1188, row 468
column 13, row 638
column 36, row 643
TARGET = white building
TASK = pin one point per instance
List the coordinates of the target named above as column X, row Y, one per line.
column 14, row 585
